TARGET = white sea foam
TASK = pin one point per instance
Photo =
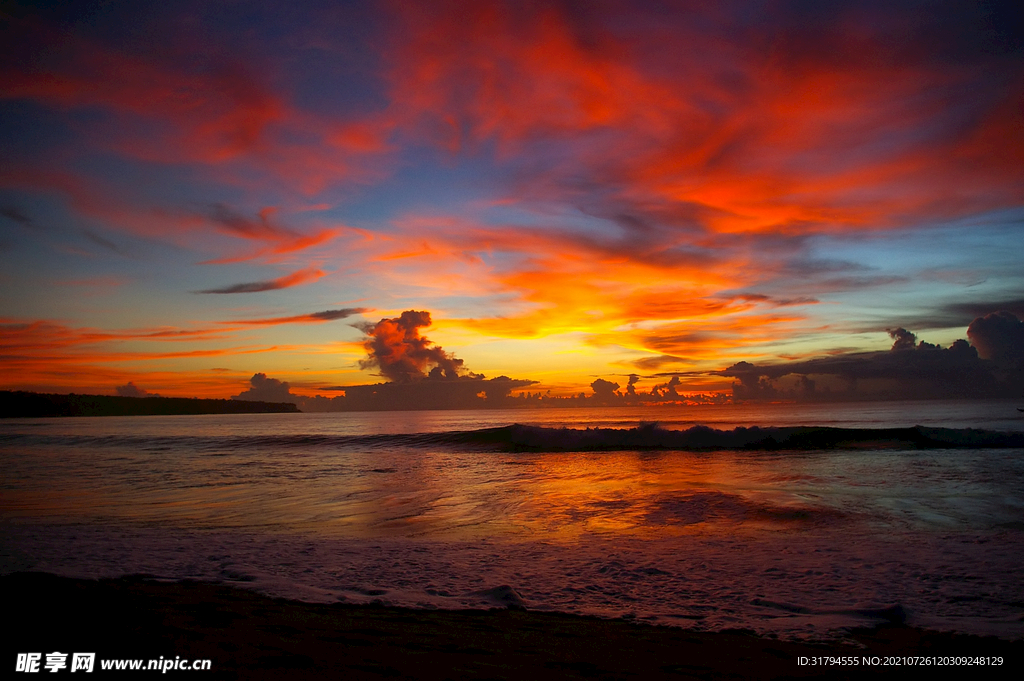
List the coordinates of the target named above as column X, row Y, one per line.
column 799, row 585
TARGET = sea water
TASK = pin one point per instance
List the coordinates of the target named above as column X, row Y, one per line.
column 418, row 509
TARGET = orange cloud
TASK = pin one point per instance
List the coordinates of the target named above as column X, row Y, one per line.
column 659, row 169
column 802, row 135
column 648, row 298
column 701, row 151
column 44, row 355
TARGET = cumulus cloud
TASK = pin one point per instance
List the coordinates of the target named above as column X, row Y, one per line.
column 604, row 390
column 420, row 373
column 466, row 392
column 132, row 390
column 264, row 389
column 902, row 339
column 998, row 336
column 911, row 369
column 395, row 347
column 667, row 389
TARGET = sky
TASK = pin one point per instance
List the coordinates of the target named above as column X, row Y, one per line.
column 732, row 194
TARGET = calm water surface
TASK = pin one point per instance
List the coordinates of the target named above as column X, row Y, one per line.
column 347, row 507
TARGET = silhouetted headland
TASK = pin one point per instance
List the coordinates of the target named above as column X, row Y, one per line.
column 20, row 404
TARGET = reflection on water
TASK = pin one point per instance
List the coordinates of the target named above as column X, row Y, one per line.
column 709, row 538
column 555, row 496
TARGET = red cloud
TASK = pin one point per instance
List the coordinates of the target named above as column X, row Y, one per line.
column 176, row 103
column 202, row 116
column 837, row 126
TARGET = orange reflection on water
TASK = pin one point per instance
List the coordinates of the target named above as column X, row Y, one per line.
column 393, row 491
column 567, row 496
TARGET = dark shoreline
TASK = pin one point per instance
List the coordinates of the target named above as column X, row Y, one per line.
column 21, row 404
column 250, row 636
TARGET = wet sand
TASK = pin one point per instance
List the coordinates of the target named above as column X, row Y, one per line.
column 250, row 636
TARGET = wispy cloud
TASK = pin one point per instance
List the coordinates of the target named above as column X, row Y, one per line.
column 311, row 318
column 40, row 353
column 15, row 214
column 103, row 242
column 294, row 279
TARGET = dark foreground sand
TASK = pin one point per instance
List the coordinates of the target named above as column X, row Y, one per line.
column 249, row 636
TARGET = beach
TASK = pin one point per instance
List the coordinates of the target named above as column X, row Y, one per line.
column 457, row 545
column 250, row 636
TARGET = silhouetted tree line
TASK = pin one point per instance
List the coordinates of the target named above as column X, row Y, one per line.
column 15, row 404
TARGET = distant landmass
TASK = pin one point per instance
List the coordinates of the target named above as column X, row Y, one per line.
column 20, row 404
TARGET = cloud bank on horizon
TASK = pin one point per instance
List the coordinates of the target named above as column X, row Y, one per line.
column 573, row 191
column 419, row 375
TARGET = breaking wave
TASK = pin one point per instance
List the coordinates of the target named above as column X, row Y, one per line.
column 650, row 436
column 523, row 438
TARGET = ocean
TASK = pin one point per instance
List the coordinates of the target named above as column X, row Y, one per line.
column 454, row 509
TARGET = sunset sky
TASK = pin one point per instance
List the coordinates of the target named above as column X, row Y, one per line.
column 194, row 192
